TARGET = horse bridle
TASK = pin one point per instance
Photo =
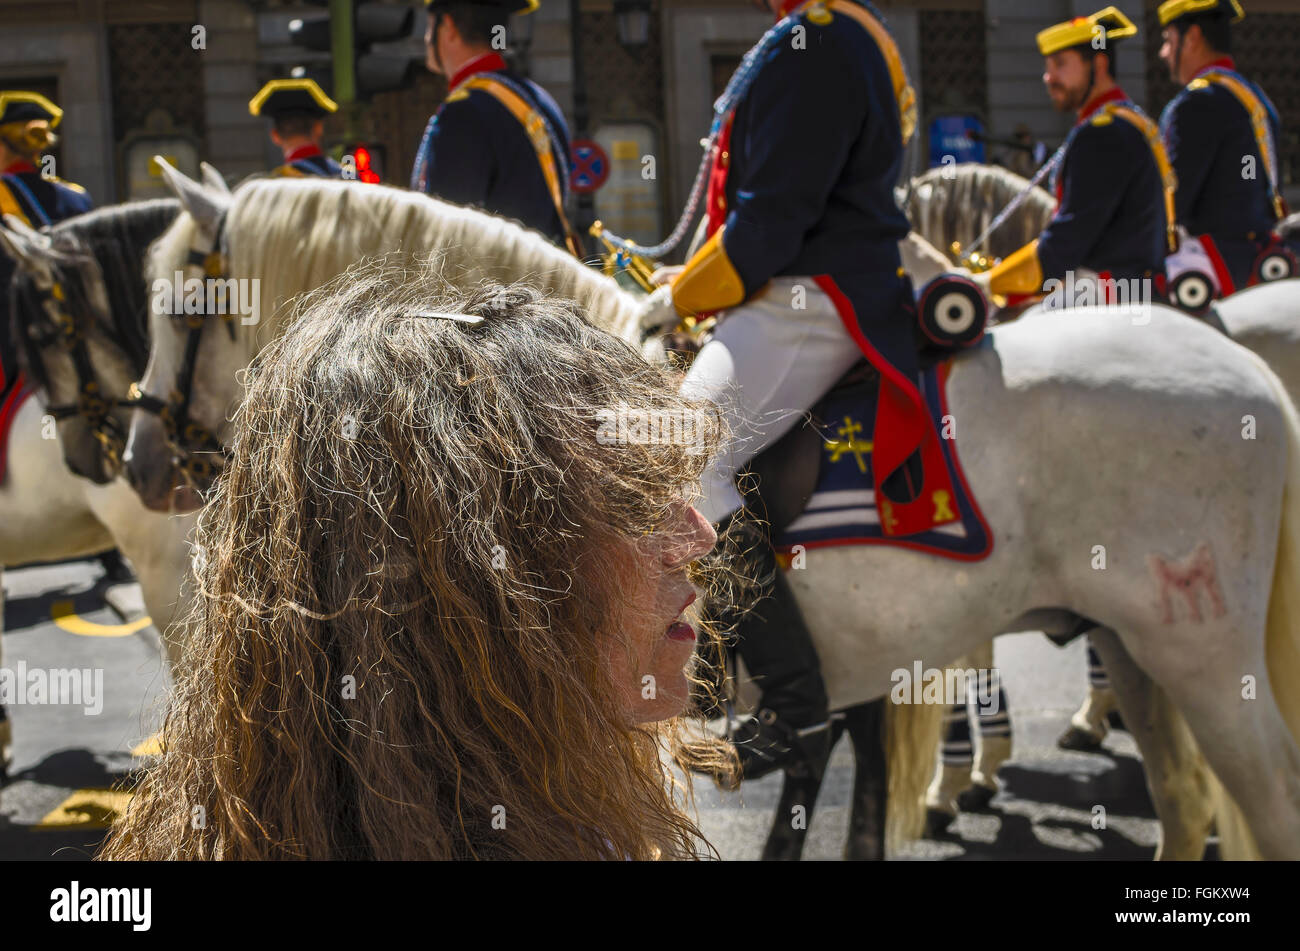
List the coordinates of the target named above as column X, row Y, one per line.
column 68, row 332
column 192, row 444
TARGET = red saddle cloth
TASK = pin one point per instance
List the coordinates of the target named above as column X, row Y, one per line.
column 13, row 393
column 847, row 506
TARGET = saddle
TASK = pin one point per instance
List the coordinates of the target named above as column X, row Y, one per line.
column 815, row 486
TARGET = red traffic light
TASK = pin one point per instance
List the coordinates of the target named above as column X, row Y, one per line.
column 364, row 163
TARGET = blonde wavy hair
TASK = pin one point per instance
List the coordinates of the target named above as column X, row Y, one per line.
column 404, row 583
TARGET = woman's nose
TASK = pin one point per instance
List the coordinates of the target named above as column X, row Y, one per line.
column 694, row 538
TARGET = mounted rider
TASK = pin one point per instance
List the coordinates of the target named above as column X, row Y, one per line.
column 498, row 141
column 35, row 197
column 1222, row 133
column 802, row 256
column 297, row 109
column 1113, row 182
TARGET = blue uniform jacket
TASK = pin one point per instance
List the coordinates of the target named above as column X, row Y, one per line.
column 474, row 152
column 1111, row 213
column 815, row 154
column 1208, row 134
column 313, row 165
column 43, row 202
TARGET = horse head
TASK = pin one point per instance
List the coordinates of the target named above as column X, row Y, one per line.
column 77, row 305
column 168, row 448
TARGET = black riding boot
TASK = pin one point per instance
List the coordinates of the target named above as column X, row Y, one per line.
column 791, row 730
column 115, row 567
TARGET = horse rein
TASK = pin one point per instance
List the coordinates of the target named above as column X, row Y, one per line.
column 68, row 333
column 192, row 444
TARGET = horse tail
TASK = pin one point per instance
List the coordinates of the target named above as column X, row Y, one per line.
column 912, row 735
column 1282, row 633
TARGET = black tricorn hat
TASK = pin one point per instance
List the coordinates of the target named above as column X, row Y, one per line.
column 300, row 97
column 17, row 106
column 506, row 6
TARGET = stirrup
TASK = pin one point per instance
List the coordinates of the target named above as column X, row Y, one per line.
column 765, row 744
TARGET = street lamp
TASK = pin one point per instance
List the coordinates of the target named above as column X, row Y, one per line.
column 632, row 19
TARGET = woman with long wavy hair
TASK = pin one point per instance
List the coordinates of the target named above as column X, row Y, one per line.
column 439, row 612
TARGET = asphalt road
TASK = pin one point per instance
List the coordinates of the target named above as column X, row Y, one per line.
column 1043, row 811
column 59, row 749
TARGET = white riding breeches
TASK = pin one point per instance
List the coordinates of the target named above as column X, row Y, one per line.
column 765, row 365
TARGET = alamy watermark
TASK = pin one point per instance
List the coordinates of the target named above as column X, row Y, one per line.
column 626, row 425
column 1133, row 296
column 953, row 685
column 213, row 296
column 62, row 686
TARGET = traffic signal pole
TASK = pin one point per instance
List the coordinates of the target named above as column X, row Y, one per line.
column 341, row 52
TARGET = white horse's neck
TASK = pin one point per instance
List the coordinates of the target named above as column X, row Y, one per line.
column 294, row 236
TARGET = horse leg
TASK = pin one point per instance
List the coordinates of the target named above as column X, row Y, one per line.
column 799, row 790
column 953, row 775
column 866, row 726
column 994, row 746
column 1177, row 776
column 1254, row 756
column 1088, row 726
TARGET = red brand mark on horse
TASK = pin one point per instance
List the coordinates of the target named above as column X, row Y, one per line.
column 1184, row 577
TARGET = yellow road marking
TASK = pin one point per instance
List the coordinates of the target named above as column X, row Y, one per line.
column 87, row 809
column 150, row 747
column 62, row 613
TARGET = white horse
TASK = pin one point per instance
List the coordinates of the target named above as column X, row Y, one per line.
column 956, row 205
column 1079, row 434
column 46, row 511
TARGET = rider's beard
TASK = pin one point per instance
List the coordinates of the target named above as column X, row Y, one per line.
column 1071, row 99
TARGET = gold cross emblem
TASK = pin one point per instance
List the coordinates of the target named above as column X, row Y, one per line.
column 850, row 445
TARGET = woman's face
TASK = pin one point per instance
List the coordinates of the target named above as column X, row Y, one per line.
column 653, row 644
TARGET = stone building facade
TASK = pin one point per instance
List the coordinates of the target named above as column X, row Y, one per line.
column 137, row 76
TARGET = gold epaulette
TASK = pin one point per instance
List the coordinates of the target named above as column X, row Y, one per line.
column 67, row 184
column 1103, row 118
column 818, row 14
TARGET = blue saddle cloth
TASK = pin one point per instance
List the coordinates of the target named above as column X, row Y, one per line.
column 842, row 509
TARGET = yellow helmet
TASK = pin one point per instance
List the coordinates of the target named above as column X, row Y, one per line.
column 1172, row 10
column 1110, row 23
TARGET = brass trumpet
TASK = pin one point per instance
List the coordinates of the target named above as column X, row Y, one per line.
column 975, row 262
column 616, row 259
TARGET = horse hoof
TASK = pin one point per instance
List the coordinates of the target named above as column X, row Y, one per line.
column 937, row 822
column 975, row 799
column 1079, row 741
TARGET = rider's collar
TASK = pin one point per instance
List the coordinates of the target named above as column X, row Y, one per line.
column 22, row 165
column 309, row 150
column 1223, row 62
column 488, row 62
column 786, row 6
column 1114, row 95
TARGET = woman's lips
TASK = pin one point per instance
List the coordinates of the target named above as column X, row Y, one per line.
column 681, row 631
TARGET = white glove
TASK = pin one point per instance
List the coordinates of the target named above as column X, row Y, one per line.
column 658, row 315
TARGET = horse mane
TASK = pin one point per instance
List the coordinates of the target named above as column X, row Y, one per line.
column 294, row 235
column 118, row 237
column 1289, row 227
column 956, row 203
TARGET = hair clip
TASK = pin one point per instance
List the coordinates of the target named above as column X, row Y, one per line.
column 461, row 318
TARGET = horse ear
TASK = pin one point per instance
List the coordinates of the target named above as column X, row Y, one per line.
column 30, row 249
column 214, row 179
column 204, row 204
